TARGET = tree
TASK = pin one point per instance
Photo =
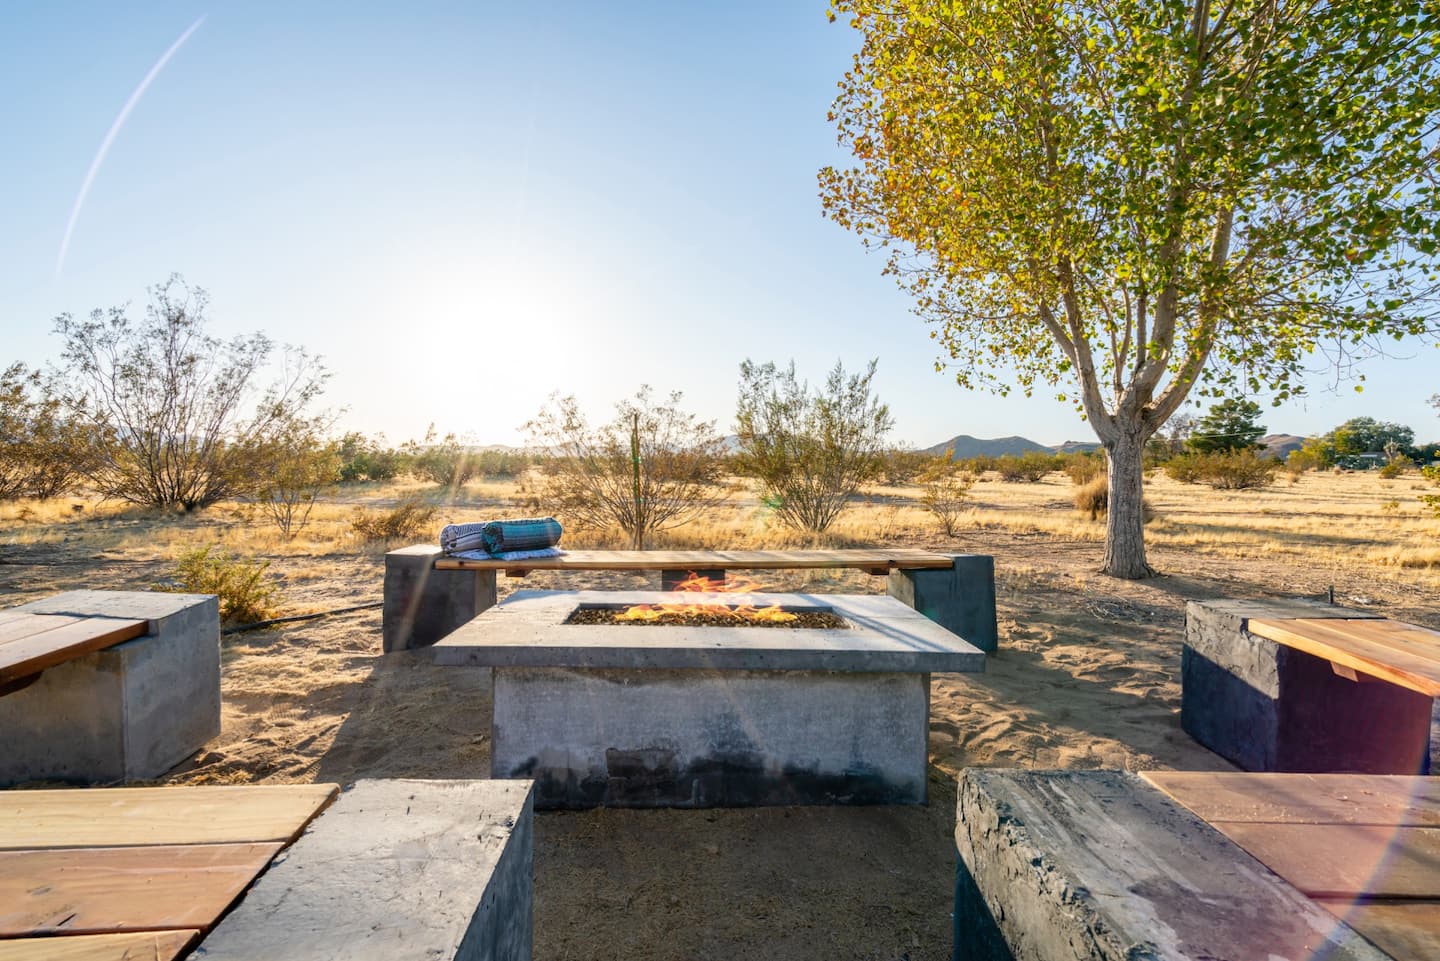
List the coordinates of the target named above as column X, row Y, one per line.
column 1232, row 424
column 296, row 466
column 1366, row 435
column 651, row 468
column 944, row 488
column 1131, row 199
column 809, row 449
column 174, row 411
column 42, row 452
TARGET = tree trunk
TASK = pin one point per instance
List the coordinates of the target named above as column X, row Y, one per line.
column 1125, row 511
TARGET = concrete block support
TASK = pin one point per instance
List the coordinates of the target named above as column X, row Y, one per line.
column 440, row 870
column 422, row 605
column 1100, row 866
column 961, row 599
column 1268, row 707
column 590, row 737
column 130, row 712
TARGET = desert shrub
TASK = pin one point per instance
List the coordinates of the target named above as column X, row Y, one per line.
column 446, row 462
column 1396, row 467
column 246, row 596
column 365, row 459
column 1225, row 470
column 809, row 449
column 502, row 463
column 295, row 470
column 944, row 487
column 1029, row 467
column 173, row 410
column 1084, row 468
column 651, row 468
column 42, row 452
column 1093, row 497
column 407, row 520
column 903, row 466
column 978, row 464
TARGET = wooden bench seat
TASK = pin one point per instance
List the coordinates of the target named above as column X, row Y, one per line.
column 1110, row 865
column 107, row 686
column 1300, row 686
column 429, row 594
column 29, row 643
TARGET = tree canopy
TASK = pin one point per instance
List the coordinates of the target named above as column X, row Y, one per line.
column 1232, row 424
column 1125, row 199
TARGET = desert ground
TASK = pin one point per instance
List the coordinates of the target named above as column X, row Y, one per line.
column 1087, row 676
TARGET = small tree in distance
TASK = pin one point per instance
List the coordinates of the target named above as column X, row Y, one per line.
column 810, row 450
column 592, row 478
column 1232, row 424
column 944, row 489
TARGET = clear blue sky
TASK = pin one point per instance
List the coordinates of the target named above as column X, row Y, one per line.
column 466, row 206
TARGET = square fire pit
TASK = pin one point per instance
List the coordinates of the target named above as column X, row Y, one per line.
column 681, row 715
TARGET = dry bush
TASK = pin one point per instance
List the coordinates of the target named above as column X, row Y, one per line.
column 1093, row 497
column 1224, row 470
column 1030, row 467
column 1082, row 469
column 944, row 487
column 245, row 595
column 407, row 520
column 1396, row 467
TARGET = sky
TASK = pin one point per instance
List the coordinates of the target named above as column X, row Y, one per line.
column 465, row 207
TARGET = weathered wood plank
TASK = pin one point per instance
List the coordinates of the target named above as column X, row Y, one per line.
column 1396, row 800
column 1099, row 865
column 18, row 625
column 24, row 656
column 130, row 946
column 906, row 559
column 117, row 817
column 103, row 890
column 1345, row 860
column 1405, row 930
column 1406, row 664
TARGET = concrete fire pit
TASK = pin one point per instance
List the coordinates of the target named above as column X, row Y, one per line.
column 682, row 716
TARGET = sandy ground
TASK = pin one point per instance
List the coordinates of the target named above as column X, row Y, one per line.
column 1087, row 676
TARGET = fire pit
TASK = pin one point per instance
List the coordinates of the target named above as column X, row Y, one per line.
column 709, row 710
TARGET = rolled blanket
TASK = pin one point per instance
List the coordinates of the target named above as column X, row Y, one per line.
column 501, row 537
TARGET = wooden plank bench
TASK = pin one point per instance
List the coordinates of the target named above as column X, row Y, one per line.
column 1300, row 686
column 386, row 869
column 103, row 686
column 1366, row 848
column 131, row 873
column 428, row 594
column 1104, row 866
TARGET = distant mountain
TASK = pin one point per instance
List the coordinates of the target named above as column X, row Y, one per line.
column 966, row 446
column 1280, row 445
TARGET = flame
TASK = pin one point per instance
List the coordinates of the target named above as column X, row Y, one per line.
column 697, row 584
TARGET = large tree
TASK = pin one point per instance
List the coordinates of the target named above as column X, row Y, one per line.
column 1125, row 199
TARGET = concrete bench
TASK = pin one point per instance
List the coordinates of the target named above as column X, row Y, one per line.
column 1290, row 685
column 440, row 870
column 104, row 686
column 1102, row 866
column 427, row 594
column 685, row 716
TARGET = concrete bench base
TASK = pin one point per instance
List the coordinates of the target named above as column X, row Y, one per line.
column 439, row 870
column 723, row 738
column 126, row 713
column 1268, row 707
column 1099, row 866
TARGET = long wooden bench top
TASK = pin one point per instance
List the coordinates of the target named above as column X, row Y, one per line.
column 29, row 643
column 120, row 874
column 1392, row 651
column 871, row 561
column 1365, row 847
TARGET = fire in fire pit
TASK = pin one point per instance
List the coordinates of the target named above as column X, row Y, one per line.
column 712, row 612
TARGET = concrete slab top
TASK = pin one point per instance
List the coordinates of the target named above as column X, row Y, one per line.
column 528, row 630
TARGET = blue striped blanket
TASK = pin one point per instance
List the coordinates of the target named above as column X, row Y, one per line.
column 501, row 537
